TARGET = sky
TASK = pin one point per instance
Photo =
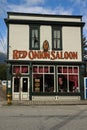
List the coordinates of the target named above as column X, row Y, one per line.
column 58, row 7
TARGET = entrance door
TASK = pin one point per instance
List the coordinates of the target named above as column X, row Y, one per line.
column 25, row 88
column 20, row 88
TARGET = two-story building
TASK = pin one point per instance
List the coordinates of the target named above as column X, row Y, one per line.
column 45, row 56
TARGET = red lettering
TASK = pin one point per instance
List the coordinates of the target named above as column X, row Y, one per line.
column 15, row 54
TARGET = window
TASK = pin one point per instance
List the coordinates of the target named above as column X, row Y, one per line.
column 16, row 84
column 56, row 38
column 23, row 69
column 68, row 78
column 34, row 38
column 43, row 78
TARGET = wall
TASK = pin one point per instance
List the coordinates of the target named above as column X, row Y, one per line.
column 19, row 40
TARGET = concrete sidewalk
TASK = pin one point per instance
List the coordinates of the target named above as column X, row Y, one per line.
column 26, row 103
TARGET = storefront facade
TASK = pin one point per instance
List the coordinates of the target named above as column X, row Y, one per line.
column 45, row 57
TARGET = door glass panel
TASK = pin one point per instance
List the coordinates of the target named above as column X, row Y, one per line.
column 25, row 85
column 16, row 84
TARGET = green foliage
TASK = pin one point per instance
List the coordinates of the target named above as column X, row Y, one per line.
column 84, row 46
column 3, row 71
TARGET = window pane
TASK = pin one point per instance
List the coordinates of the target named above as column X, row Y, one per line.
column 54, row 43
column 75, row 69
column 46, row 69
column 16, row 69
column 16, row 84
column 32, row 33
column 25, row 85
column 49, row 83
column 59, row 69
column 56, row 38
column 55, row 35
column 70, row 70
column 51, row 69
column 58, row 43
column 35, row 69
column 36, row 34
column 36, row 44
column 24, row 69
column 62, row 83
column 40, row 69
column 34, row 38
column 64, row 69
column 33, row 43
column 73, row 83
column 58, row 34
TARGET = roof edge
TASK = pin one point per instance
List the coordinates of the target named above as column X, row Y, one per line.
column 44, row 15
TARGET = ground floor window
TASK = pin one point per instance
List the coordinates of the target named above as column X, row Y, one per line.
column 55, row 78
column 23, row 69
column 67, row 79
column 43, row 78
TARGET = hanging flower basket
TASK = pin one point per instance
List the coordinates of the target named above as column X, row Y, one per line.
column 18, row 75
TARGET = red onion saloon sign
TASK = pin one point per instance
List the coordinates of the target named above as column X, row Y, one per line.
column 51, row 55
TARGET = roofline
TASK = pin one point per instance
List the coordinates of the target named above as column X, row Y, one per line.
column 19, row 21
column 44, row 15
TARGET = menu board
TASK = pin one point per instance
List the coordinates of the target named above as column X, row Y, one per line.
column 37, row 85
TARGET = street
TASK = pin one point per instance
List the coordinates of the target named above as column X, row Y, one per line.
column 57, row 117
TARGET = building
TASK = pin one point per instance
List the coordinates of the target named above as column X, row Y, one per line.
column 45, row 56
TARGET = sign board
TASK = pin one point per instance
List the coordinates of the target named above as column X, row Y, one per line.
column 85, row 87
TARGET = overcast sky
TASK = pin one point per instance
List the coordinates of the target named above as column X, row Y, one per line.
column 62, row 7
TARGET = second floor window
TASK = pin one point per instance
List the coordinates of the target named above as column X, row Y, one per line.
column 56, row 38
column 34, row 38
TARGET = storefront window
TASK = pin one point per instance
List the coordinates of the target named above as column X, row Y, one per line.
column 23, row 69
column 59, row 69
column 16, row 69
column 35, row 69
column 62, row 83
column 38, row 82
column 68, row 79
column 46, row 69
column 43, row 78
column 48, row 83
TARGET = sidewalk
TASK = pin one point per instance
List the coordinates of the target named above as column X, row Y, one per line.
column 28, row 103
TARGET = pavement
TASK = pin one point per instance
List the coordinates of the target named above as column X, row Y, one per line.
column 45, row 117
column 27, row 103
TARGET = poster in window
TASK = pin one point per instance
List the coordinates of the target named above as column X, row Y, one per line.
column 37, row 85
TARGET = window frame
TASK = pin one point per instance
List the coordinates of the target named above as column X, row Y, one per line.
column 44, row 73
column 57, row 28
column 34, row 27
column 20, row 69
column 68, row 74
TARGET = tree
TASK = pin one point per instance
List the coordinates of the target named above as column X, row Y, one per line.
column 84, row 48
column 3, row 71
